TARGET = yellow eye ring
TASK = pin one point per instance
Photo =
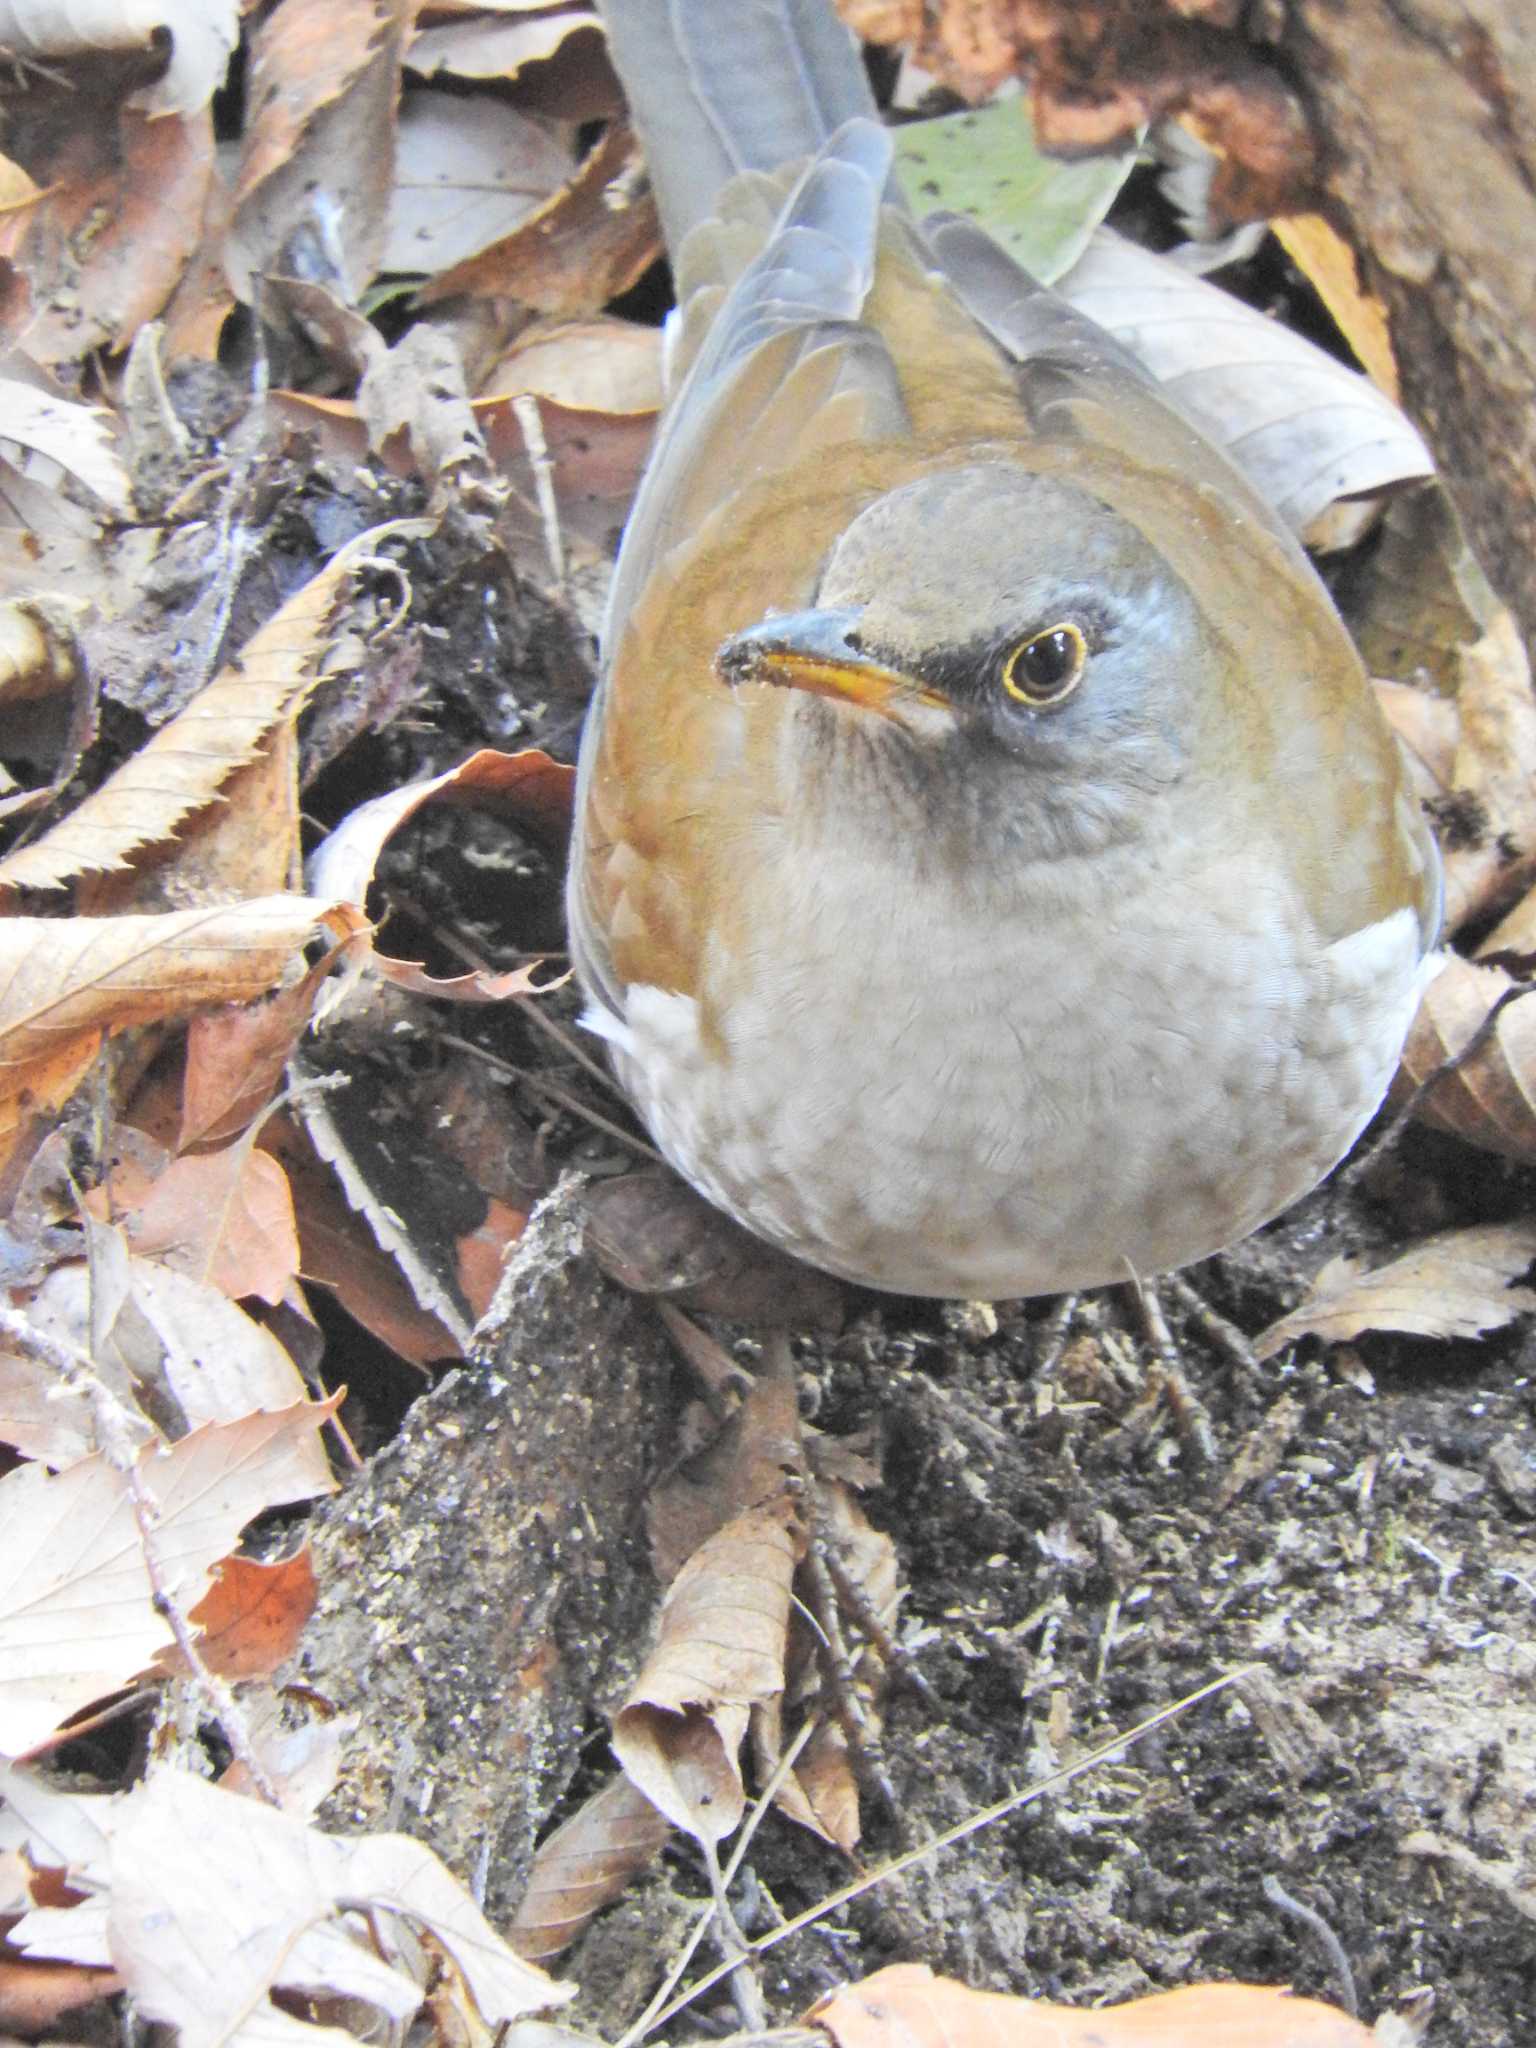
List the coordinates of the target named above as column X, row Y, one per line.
column 1047, row 667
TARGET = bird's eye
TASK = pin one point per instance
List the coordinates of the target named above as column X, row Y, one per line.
column 1046, row 668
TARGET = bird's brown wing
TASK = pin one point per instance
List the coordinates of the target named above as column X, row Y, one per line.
column 759, row 460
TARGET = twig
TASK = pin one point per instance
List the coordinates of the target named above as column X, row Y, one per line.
column 976, row 1821
column 530, row 425
column 674, row 1976
column 116, row 1433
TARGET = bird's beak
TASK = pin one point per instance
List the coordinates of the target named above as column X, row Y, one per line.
column 819, row 651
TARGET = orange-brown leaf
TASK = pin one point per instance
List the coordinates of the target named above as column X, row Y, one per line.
column 907, row 2006
column 251, row 1617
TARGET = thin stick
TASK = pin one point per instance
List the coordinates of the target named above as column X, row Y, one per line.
column 674, row 1976
column 947, row 1840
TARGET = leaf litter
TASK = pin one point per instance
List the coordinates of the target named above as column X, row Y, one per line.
column 167, row 1226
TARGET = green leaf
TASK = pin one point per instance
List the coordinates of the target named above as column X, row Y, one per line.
column 985, row 163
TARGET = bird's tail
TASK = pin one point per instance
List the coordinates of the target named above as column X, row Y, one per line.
column 721, row 86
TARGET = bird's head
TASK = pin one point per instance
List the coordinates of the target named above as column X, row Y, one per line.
column 990, row 629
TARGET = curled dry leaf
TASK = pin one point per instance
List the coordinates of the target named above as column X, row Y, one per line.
column 79, row 1610
column 188, row 761
column 535, row 791
column 201, row 36
column 1455, row 1284
column 585, row 1865
column 587, row 244
column 322, row 88
column 1329, row 264
column 907, row 2006
column 1489, row 1098
column 719, row 1653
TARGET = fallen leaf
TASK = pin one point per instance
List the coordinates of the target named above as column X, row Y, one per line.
column 585, row 246
column 1456, row 1284
column 986, row 162
column 224, row 1217
column 1305, row 429
column 210, row 1901
column 468, row 171
column 67, row 984
column 907, row 2006
column 585, row 1865
column 1489, row 1098
column 235, row 1060
column 199, row 36
column 1328, row 263
column 251, row 1618
column 78, row 439
column 185, row 764
column 78, row 1606
column 719, row 1652
column 321, row 86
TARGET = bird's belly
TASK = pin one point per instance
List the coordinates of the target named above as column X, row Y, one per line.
column 1020, row 1117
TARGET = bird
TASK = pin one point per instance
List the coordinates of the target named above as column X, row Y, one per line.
column 992, row 875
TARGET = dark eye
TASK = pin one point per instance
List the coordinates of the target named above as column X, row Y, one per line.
column 1048, row 666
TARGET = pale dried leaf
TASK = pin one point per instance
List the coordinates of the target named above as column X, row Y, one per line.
column 720, row 1651
column 78, row 438
column 1456, row 1284
column 467, row 173
column 1306, row 429
column 1490, row 1098
column 184, row 765
column 907, row 2006
column 77, row 1603
column 485, row 48
column 202, row 35
column 585, row 1865
column 603, row 366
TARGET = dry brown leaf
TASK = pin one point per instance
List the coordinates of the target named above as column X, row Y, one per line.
column 588, row 244
column 322, row 89
column 127, row 194
column 1490, row 1098
column 719, row 1653
column 35, row 1996
column 415, row 391
column 251, row 1618
column 752, row 1462
column 79, row 440
column 235, row 1060
column 485, row 46
column 201, row 35
column 78, row 1606
column 172, row 1345
column 185, row 765
column 907, row 2006
column 585, row 1865
column 65, row 984
column 1456, row 1284
column 215, row 1900
column 224, row 1218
